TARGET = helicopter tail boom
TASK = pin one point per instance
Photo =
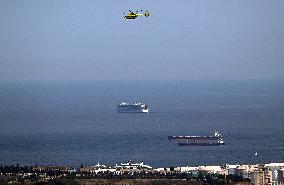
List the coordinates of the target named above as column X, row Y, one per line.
column 146, row 14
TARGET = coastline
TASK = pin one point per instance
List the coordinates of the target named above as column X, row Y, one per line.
column 139, row 173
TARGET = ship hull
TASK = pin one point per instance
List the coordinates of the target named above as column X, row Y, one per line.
column 133, row 111
column 193, row 138
column 200, row 144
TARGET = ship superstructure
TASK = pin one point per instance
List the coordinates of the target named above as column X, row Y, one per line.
column 131, row 165
column 216, row 139
column 136, row 107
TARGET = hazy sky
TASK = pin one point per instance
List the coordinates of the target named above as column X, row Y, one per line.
column 182, row 39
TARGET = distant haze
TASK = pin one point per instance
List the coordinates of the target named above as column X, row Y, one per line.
column 184, row 39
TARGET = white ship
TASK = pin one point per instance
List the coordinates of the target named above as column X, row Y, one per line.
column 136, row 107
column 130, row 165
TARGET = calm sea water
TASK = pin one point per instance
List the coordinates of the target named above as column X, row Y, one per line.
column 69, row 123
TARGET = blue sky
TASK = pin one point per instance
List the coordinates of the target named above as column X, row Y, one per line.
column 184, row 39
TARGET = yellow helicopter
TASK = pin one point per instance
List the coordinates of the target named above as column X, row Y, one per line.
column 133, row 15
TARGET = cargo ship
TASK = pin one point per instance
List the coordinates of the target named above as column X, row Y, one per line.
column 136, row 107
column 214, row 140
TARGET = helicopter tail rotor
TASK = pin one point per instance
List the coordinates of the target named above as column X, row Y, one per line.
column 147, row 13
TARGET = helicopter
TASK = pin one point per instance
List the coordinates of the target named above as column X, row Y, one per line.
column 133, row 15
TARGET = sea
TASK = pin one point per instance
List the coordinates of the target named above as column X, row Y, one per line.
column 75, row 122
